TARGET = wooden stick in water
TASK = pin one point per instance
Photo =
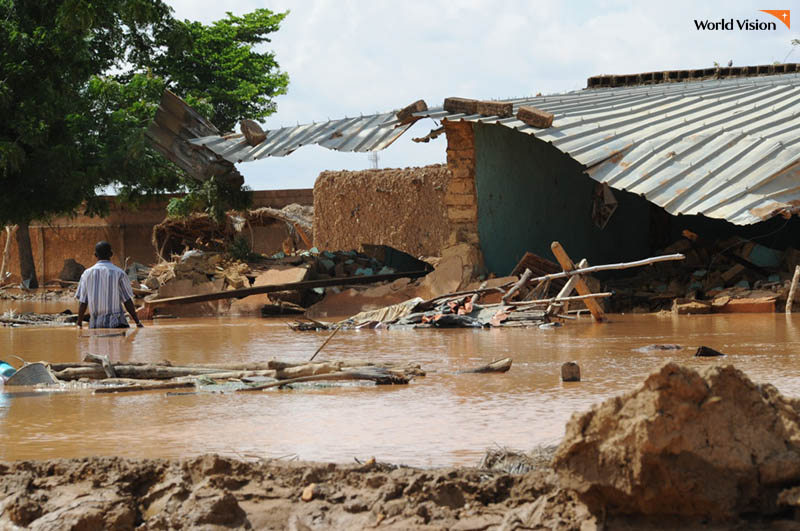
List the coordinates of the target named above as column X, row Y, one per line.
column 324, row 343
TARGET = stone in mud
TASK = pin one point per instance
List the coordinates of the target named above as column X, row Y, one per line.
column 310, row 492
column 570, row 372
column 706, row 352
column 686, row 443
column 72, row 270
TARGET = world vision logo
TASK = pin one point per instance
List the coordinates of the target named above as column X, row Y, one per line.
column 730, row 24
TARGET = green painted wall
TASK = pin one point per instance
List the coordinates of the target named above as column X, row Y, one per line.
column 530, row 194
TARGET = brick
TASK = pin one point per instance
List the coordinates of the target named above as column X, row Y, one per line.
column 459, row 135
column 252, row 132
column 495, row 108
column 461, row 105
column 460, row 173
column 460, row 213
column 405, row 114
column 460, row 186
column 535, row 117
column 459, row 200
column 460, row 158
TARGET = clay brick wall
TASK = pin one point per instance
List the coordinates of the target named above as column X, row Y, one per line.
column 403, row 208
column 128, row 231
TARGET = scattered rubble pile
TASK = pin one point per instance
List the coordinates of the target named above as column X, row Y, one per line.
column 732, row 275
column 708, row 444
column 448, row 312
column 12, row 318
column 201, row 231
column 118, row 377
column 200, row 267
column 198, row 272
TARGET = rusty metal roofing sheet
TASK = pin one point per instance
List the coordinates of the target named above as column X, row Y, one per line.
column 727, row 148
column 364, row 133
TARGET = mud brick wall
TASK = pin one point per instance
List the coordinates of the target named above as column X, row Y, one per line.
column 129, row 232
column 403, row 208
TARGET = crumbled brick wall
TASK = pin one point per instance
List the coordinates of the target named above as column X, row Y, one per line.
column 128, row 231
column 403, row 208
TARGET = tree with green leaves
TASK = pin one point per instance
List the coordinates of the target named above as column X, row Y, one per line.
column 80, row 81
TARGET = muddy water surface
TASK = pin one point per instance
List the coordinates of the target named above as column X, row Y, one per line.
column 442, row 419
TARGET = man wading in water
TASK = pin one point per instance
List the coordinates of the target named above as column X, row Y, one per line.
column 105, row 288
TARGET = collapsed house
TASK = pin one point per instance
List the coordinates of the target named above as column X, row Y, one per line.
column 623, row 168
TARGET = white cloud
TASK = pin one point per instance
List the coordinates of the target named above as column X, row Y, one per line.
column 355, row 56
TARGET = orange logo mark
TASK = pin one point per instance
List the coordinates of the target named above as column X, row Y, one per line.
column 781, row 14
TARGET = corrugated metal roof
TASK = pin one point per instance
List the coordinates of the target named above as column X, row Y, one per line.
column 727, row 149
column 364, row 133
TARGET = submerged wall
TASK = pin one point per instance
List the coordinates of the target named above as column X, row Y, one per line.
column 128, row 231
column 402, row 208
column 530, row 194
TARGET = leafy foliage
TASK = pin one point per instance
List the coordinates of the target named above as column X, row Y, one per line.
column 212, row 197
column 80, row 80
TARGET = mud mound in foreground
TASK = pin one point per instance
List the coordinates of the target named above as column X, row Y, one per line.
column 694, row 444
column 213, row 492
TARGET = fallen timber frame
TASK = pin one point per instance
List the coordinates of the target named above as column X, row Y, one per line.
column 607, row 267
column 256, row 290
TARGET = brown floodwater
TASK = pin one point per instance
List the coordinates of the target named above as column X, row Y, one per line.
column 441, row 419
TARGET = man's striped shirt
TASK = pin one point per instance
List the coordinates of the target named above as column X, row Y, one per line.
column 104, row 287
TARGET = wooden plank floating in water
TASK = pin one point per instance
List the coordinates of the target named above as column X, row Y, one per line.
column 501, row 365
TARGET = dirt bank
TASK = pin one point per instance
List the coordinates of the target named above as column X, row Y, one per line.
column 211, row 492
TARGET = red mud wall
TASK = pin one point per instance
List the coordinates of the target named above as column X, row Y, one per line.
column 403, row 208
column 127, row 230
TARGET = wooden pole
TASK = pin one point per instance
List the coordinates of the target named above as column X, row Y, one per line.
column 10, row 230
column 792, row 289
column 522, row 281
column 607, row 267
column 568, row 287
column 580, row 285
column 256, row 290
column 324, row 343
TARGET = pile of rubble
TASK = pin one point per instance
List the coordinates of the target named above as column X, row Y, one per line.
column 200, row 267
column 726, row 276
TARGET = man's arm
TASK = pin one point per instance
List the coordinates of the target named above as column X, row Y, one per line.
column 132, row 310
column 81, row 312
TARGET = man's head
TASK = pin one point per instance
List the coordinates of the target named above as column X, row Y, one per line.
column 103, row 250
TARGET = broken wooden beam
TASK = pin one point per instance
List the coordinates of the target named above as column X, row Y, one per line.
column 104, row 362
column 501, row 365
column 406, row 114
column 377, row 375
column 522, row 281
column 305, row 284
column 568, row 287
column 606, row 267
column 792, row 289
column 144, row 387
column 535, row 117
column 580, row 284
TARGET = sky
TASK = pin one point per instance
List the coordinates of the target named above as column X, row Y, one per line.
column 351, row 57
